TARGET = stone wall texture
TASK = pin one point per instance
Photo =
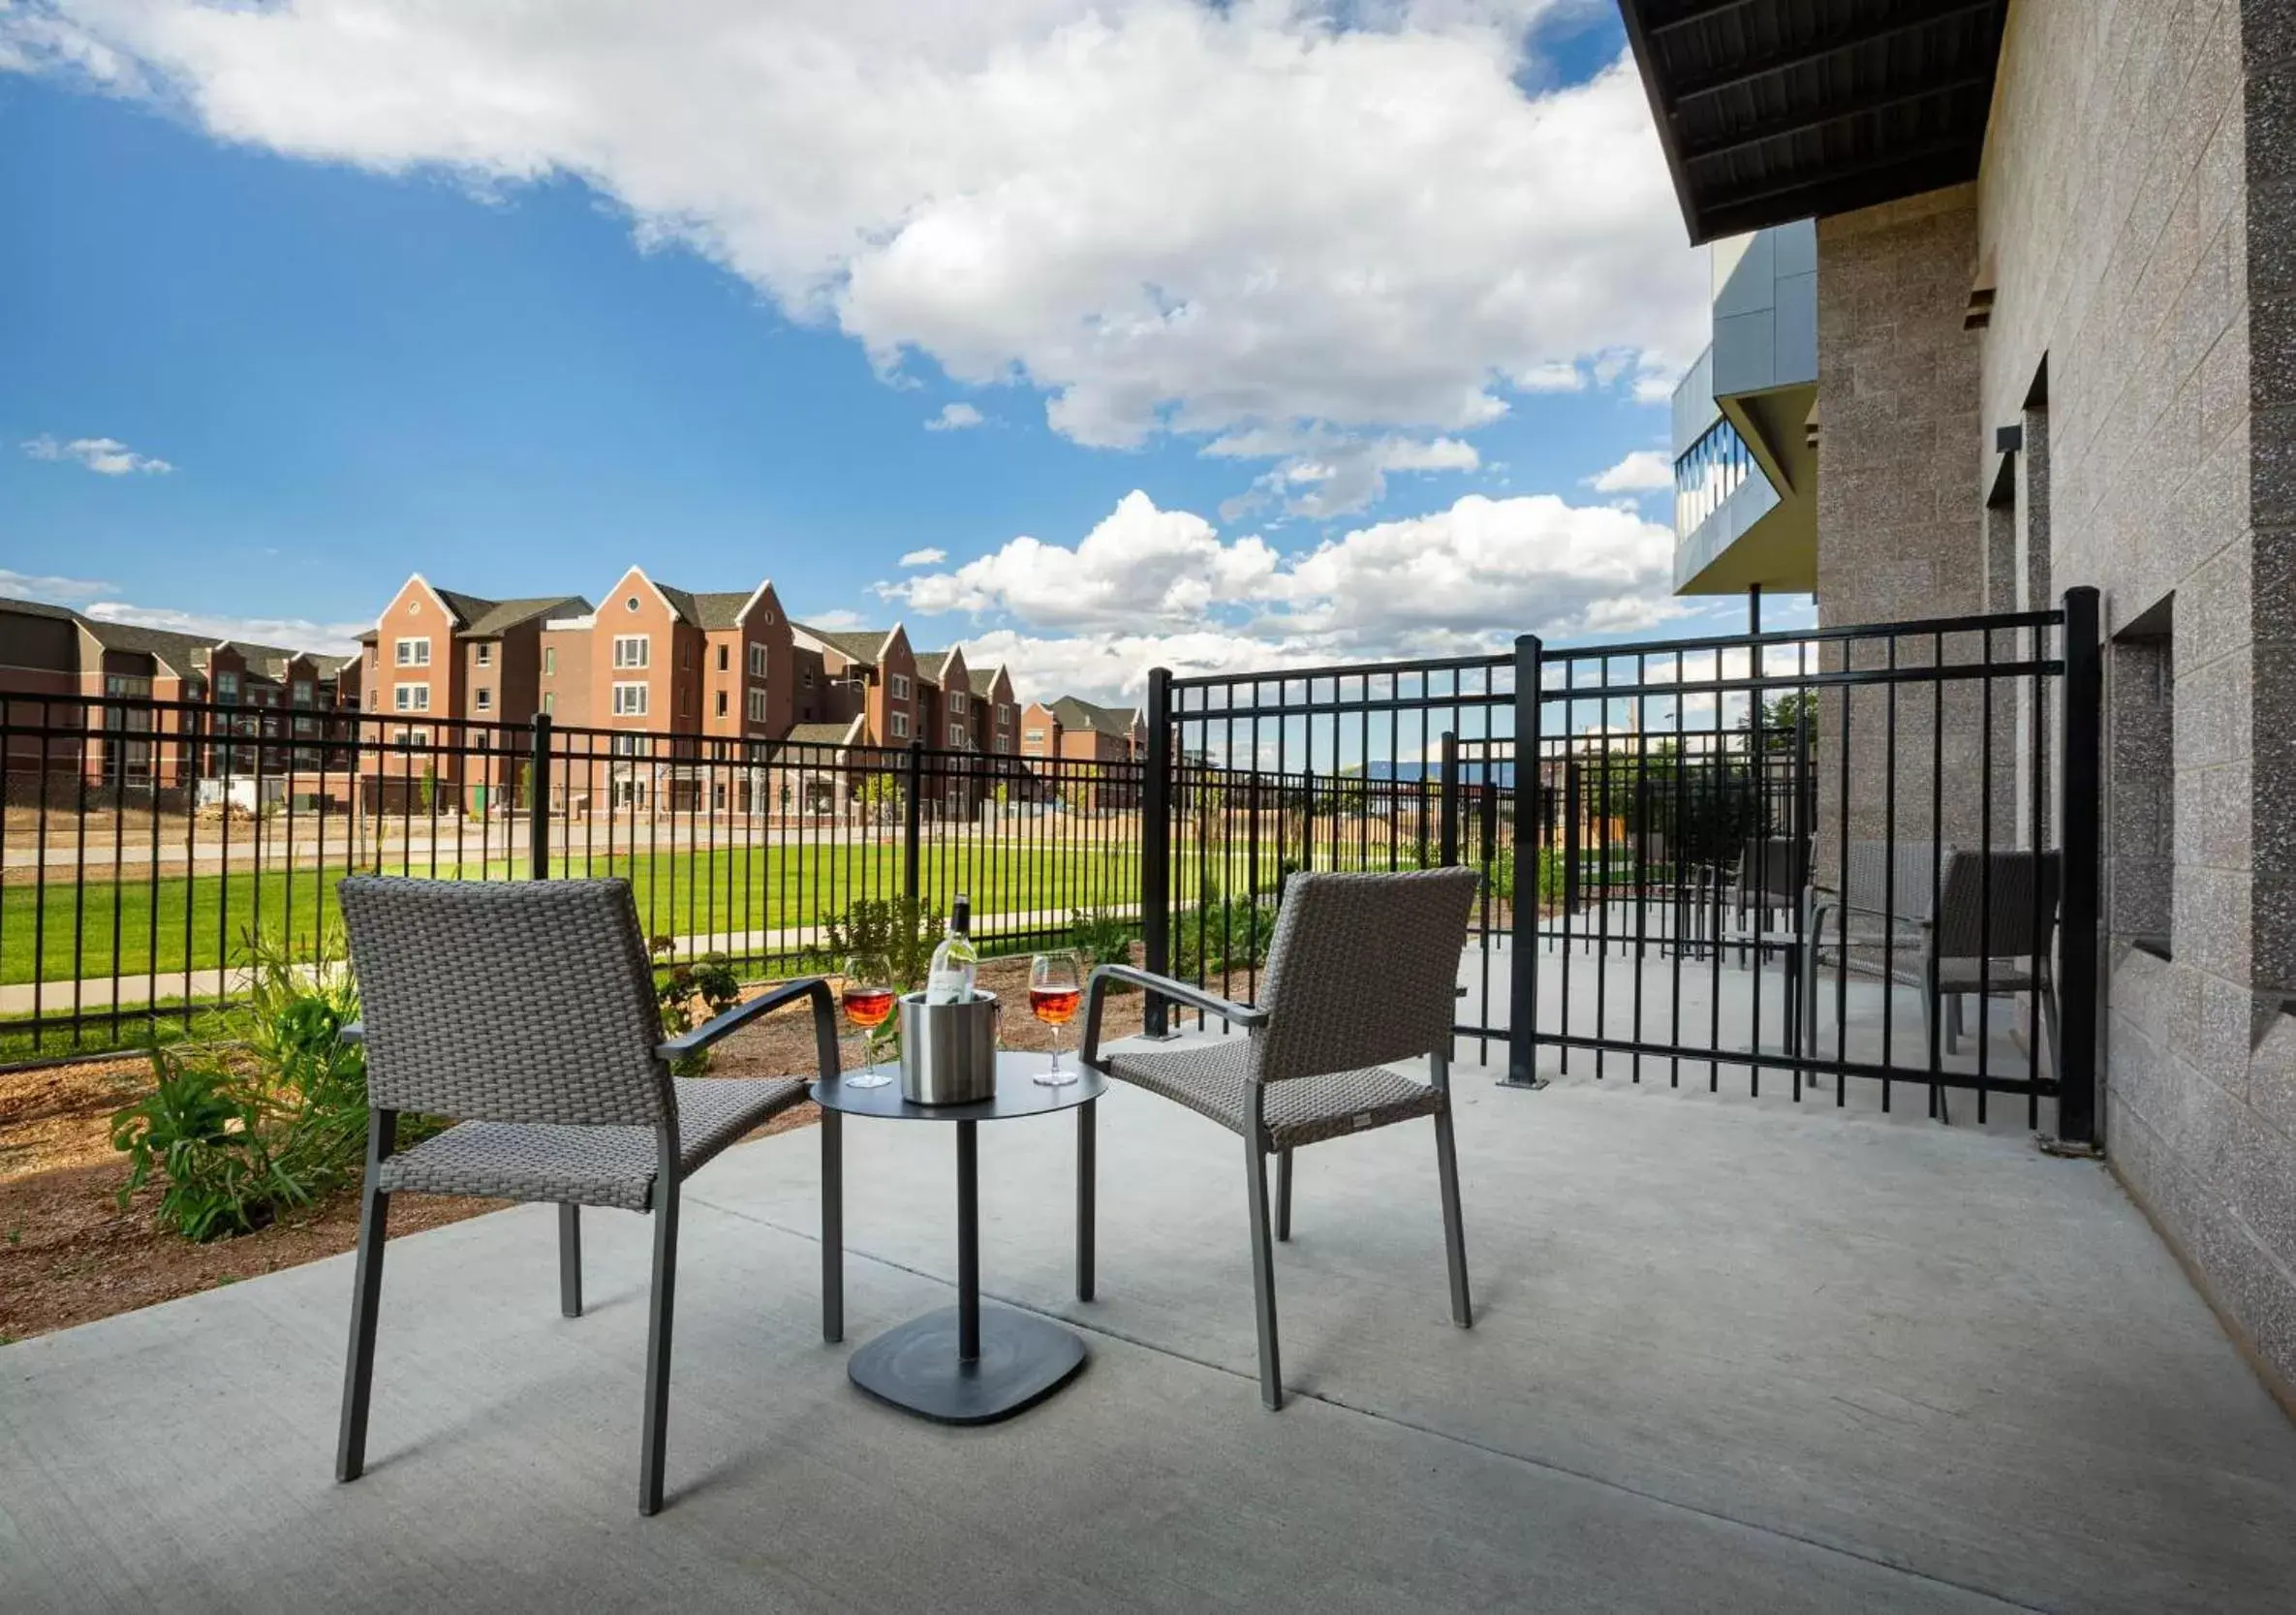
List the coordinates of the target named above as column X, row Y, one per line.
column 2136, row 213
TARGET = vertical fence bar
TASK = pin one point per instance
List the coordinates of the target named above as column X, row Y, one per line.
column 538, row 801
column 2082, row 778
column 1522, row 1010
column 1449, row 819
column 1156, row 845
column 912, row 820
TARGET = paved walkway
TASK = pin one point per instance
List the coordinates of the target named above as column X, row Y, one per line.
column 1728, row 1357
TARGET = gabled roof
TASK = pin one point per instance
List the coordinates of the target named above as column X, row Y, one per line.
column 185, row 655
column 494, row 617
column 983, row 683
column 39, row 609
column 1773, row 110
column 1103, row 719
column 722, row 608
column 863, row 645
column 931, row 664
column 826, row 735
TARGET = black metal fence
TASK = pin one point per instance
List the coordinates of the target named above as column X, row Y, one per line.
column 1811, row 858
column 151, row 849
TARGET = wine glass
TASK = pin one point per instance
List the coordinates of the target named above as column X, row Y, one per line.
column 869, row 999
column 1056, row 986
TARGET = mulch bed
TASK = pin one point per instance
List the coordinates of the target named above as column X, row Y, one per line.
column 69, row 1255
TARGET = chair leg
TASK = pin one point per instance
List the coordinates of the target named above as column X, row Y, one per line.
column 570, row 1261
column 1454, row 1232
column 1954, row 1026
column 1263, row 1275
column 1087, row 1198
column 366, row 1296
column 654, row 1437
column 832, row 1125
column 1283, row 1195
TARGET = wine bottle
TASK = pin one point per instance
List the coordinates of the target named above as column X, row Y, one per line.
column 955, row 965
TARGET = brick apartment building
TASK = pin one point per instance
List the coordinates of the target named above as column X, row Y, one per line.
column 1080, row 732
column 273, row 696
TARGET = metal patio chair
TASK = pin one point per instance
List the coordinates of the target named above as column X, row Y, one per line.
column 526, row 1012
column 1993, row 934
column 1880, row 903
column 1362, row 971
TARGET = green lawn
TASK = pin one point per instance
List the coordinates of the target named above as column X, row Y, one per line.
column 198, row 923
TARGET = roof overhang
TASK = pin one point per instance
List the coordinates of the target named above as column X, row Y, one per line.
column 1771, row 111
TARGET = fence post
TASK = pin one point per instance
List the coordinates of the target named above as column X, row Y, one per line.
column 913, row 807
column 1156, row 846
column 2082, row 782
column 1448, row 798
column 538, row 802
column 1522, row 977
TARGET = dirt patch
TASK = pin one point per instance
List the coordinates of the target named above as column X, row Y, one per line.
column 69, row 1255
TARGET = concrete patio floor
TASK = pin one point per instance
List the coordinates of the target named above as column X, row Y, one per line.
column 1730, row 1354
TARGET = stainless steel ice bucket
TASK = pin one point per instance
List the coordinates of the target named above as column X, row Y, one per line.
column 948, row 1051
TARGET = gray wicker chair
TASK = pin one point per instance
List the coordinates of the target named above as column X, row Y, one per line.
column 526, row 1012
column 1362, row 970
column 1994, row 935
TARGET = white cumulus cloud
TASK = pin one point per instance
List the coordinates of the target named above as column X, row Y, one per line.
column 954, row 418
column 1166, row 216
column 51, row 588
column 106, row 456
column 924, row 558
column 1644, row 471
column 336, row 638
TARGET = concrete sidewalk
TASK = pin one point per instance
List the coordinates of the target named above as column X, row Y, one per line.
column 1728, row 1357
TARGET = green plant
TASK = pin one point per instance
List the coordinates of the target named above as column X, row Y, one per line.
column 1103, row 938
column 901, row 928
column 711, row 983
column 272, row 1117
column 427, row 788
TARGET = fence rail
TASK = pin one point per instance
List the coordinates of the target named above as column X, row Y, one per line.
column 149, row 845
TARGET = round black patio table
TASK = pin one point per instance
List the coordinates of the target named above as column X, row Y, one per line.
column 964, row 1365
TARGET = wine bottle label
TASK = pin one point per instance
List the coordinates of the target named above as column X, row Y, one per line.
column 949, row 987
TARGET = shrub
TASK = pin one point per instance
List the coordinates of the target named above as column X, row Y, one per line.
column 900, row 928
column 274, row 1118
column 711, row 984
column 1103, row 938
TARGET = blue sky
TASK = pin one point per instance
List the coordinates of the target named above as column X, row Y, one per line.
column 355, row 361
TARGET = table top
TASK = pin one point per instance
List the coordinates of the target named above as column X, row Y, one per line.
column 1017, row 1093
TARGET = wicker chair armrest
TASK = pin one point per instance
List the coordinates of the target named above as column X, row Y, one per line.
column 1104, row 977
column 815, row 987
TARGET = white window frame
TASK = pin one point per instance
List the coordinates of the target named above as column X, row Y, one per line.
column 956, row 703
column 550, row 661
column 724, row 654
column 227, row 689
column 756, row 704
column 721, row 705
column 484, row 654
column 756, row 660
column 900, row 724
column 409, row 697
column 483, row 701
column 957, row 736
column 549, row 701
column 411, row 653
column 633, row 650
column 897, row 684
column 1004, row 716
column 631, row 698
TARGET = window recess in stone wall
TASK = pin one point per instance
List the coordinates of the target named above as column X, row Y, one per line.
column 2140, row 824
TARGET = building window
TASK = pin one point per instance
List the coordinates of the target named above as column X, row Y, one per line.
column 956, row 737
column 629, row 700
column 413, row 737
column 758, row 663
column 482, row 699
column 227, row 689
column 630, row 604
column 724, row 653
column 304, row 692
column 414, row 653
column 809, row 678
column 412, row 697
column 900, row 725
column 486, row 656
column 549, row 660
column 1708, row 473
column 756, row 706
column 629, row 745
column 1004, row 717
column 1036, row 737
column 721, row 709
column 549, row 701
column 632, row 650
column 898, row 684
column 956, row 703
column 685, row 700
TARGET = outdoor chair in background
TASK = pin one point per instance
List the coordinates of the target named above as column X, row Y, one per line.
column 1872, row 921
column 1994, row 935
column 1362, row 971
column 526, row 1012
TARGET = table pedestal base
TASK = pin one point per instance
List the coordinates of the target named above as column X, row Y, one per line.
column 1023, row 1359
